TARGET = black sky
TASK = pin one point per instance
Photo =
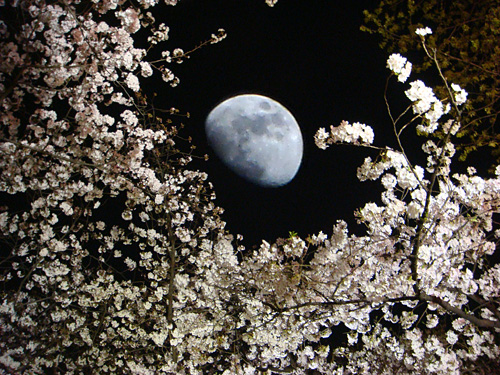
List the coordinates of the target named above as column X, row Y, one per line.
column 311, row 57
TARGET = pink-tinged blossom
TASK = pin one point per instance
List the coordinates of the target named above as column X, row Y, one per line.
column 148, row 3
column 130, row 20
column 132, row 82
column 170, row 278
column 146, row 70
column 159, row 35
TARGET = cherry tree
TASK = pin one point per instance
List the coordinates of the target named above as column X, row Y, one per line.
column 419, row 292
column 115, row 258
column 84, row 290
column 465, row 37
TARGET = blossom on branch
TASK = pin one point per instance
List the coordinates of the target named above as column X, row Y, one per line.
column 422, row 96
column 119, row 261
column 400, row 66
column 460, row 94
column 356, row 133
column 423, row 31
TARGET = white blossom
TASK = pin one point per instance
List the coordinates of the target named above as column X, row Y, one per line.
column 460, row 94
column 120, row 259
column 451, row 337
column 423, row 31
column 356, row 133
column 320, row 138
column 66, row 208
column 422, row 96
column 400, row 66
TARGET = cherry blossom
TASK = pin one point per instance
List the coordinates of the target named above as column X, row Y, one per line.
column 423, row 31
column 356, row 133
column 118, row 260
column 461, row 94
column 400, row 66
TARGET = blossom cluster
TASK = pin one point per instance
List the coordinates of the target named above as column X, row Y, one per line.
column 427, row 243
column 425, row 103
column 110, row 289
column 400, row 66
column 356, row 133
column 118, row 260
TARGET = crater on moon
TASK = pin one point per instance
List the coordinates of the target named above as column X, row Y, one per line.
column 257, row 138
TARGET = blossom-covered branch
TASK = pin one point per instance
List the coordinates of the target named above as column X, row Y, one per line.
column 117, row 260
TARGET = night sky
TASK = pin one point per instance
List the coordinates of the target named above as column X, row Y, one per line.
column 312, row 58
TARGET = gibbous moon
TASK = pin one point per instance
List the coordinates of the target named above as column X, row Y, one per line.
column 257, row 138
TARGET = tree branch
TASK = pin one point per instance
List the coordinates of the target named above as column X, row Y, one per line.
column 483, row 323
column 341, row 302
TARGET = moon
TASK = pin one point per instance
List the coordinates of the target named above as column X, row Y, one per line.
column 257, row 138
